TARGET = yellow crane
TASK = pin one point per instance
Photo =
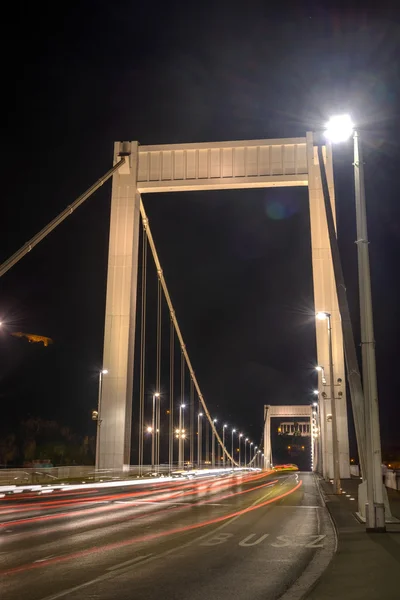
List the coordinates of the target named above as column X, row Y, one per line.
column 33, row 339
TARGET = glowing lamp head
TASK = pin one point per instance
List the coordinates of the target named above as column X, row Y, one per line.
column 339, row 128
column 233, row 430
column 157, row 395
column 200, row 414
column 322, row 316
column 315, row 392
column 104, row 371
column 183, row 405
column 318, row 368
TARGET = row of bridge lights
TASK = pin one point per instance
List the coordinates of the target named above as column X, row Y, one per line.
column 180, row 432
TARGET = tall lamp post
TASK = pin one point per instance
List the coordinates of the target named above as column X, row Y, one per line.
column 199, row 440
column 240, row 437
column 223, row 443
column 245, row 451
column 324, row 316
column 156, row 395
column 338, row 129
column 213, row 445
column 233, row 431
column 101, row 373
column 181, row 439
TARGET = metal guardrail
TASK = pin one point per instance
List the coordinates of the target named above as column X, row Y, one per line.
column 52, row 475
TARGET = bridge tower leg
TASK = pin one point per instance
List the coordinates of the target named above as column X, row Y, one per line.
column 119, row 335
column 325, row 299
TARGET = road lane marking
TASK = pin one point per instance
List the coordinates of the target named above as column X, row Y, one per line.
column 116, row 572
column 132, row 561
column 245, row 543
column 215, row 540
column 39, row 560
column 147, row 538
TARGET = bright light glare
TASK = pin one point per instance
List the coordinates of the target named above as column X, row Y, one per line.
column 149, row 429
column 233, row 430
column 322, row 316
column 318, row 368
column 157, row 394
column 183, row 405
column 315, row 403
column 105, row 371
column 200, row 414
column 316, row 392
column 339, row 128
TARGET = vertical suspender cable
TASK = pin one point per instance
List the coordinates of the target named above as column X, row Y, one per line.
column 191, row 420
column 142, row 348
column 178, row 331
column 158, row 372
column 171, row 394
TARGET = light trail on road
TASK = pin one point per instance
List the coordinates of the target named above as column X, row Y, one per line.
column 56, row 549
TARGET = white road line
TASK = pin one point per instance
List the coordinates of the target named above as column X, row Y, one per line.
column 120, row 570
column 39, row 560
column 132, row 561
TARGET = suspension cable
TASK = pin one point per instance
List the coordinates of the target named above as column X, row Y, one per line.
column 142, row 348
column 177, row 329
column 16, row 257
column 171, row 393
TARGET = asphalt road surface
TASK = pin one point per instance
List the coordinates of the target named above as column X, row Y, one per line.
column 243, row 536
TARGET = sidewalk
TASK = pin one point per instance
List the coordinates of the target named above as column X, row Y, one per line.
column 366, row 566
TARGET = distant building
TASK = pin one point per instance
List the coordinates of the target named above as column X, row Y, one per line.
column 302, row 428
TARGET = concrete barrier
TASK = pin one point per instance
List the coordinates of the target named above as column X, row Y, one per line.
column 392, row 479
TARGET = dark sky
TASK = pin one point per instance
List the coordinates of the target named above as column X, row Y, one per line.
column 78, row 76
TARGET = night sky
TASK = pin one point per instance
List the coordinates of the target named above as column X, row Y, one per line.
column 238, row 263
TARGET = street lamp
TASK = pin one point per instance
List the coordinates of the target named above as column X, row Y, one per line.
column 324, row 316
column 101, row 373
column 199, row 439
column 223, row 443
column 233, row 431
column 321, row 370
column 181, row 447
column 339, row 128
column 240, row 437
column 213, row 445
column 251, row 444
column 245, row 451
column 153, row 429
column 375, row 509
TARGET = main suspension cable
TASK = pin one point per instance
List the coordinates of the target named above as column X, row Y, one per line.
column 177, row 329
column 16, row 257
